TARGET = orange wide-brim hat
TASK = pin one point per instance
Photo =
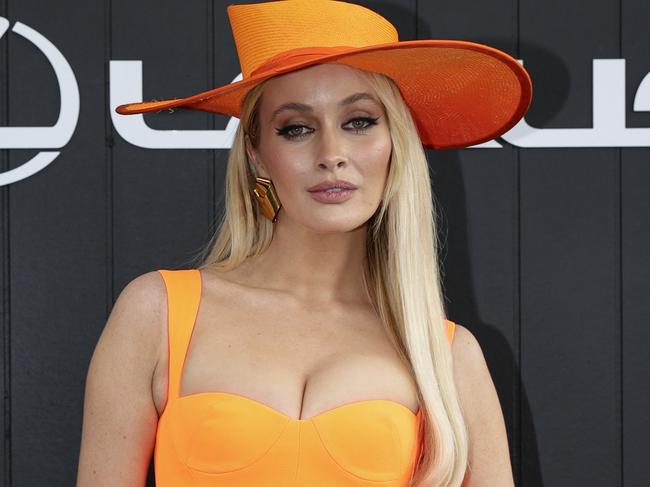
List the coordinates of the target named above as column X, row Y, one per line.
column 460, row 93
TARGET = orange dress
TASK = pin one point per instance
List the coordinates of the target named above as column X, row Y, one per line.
column 219, row 439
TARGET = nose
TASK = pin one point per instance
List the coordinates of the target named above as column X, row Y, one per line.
column 332, row 148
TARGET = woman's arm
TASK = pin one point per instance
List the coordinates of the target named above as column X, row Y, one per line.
column 489, row 457
column 120, row 417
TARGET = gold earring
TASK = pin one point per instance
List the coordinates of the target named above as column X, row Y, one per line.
column 267, row 198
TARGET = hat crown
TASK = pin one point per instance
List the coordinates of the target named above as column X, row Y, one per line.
column 264, row 30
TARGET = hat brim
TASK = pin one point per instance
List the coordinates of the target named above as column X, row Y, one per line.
column 460, row 93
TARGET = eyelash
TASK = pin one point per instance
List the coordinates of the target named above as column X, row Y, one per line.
column 284, row 131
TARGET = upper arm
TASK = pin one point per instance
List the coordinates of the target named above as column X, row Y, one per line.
column 489, row 457
column 120, row 418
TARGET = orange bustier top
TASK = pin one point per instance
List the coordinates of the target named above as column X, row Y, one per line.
column 219, row 439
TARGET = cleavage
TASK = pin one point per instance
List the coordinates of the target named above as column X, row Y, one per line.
column 274, row 370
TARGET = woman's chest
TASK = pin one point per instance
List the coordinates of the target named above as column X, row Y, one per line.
column 298, row 361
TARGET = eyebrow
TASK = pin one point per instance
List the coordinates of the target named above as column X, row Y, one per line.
column 301, row 107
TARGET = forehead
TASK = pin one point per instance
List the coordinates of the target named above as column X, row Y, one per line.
column 320, row 86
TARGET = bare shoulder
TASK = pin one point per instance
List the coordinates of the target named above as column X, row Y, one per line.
column 471, row 372
column 139, row 312
column 489, row 456
column 144, row 294
column 467, row 353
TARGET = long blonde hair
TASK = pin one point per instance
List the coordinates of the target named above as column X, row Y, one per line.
column 402, row 273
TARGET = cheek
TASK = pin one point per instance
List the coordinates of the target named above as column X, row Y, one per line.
column 289, row 175
column 377, row 162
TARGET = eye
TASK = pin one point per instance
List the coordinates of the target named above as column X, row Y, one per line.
column 368, row 121
column 293, row 132
column 290, row 132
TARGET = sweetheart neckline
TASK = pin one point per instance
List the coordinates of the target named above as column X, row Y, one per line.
column 417, row 415
column 301, row 420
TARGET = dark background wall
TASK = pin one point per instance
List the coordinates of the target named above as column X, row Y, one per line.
column 545, row 255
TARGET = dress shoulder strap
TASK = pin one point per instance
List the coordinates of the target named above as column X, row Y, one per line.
column 451, row 327
column 183, row 296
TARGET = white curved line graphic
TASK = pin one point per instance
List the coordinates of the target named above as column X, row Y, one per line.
column 126, row 87
column 35, row 164
column 4, row 25
column 59, row 134
column 642, row 97
column 609, row 125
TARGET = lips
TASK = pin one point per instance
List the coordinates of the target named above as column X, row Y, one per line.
column 328, row 185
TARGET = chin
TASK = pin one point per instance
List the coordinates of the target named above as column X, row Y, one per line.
column 336, row 224
column 333, row 229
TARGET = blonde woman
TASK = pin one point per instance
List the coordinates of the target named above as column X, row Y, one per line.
column 310, row 347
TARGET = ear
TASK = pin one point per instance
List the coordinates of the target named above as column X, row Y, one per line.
column 251, row 153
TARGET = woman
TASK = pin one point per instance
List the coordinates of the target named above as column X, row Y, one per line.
column 310, row 347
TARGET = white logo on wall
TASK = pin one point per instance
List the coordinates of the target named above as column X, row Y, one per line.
column 126, row 86
column 53, row 137
column 608, row 127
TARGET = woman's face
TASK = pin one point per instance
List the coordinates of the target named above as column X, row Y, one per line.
column 323, row 124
